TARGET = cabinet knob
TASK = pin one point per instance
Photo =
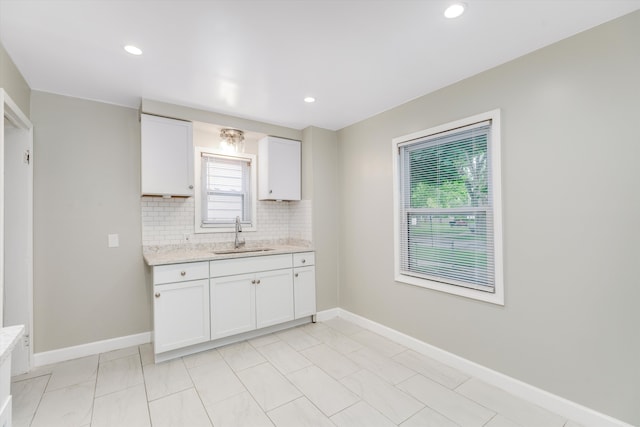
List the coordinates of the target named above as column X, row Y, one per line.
column 303, row 261
column 157, row 294
column 270, row 191
column 258, row 282
column 295, row 275
column 253, row 282
column 191, row 187
column 183, row 273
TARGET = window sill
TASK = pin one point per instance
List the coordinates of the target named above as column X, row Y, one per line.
column 496, row 297
column 232, row 229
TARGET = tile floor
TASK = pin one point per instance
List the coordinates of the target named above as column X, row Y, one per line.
column 332, row 373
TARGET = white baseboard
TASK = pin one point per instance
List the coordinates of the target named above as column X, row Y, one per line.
column 542, row 398
column 68, row 353
column 321, row 316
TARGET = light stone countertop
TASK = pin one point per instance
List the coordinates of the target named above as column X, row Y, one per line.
column 9, row 336
column 177, row 254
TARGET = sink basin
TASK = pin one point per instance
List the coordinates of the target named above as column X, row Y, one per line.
column 241, row 251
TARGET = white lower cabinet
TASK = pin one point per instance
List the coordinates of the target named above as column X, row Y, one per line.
column 253, row 300
column 274, row 297
column 304, row 291
column 304, row 284
column 233, row 305
column 197, row 302
column 180, row 314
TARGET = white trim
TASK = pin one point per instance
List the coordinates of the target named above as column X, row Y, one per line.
column 549, row 401
column 17, row 118
column 321, row 316
column 13, row 113
column 497, row 296
column 96, row 347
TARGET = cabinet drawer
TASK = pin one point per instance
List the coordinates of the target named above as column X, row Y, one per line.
column 228, row 267
column 304, row 258
column 180, row 272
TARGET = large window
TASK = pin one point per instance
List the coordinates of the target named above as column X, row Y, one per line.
column 225, row 191
column 448, row 209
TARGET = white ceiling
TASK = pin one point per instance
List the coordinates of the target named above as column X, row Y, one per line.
column 258, row 59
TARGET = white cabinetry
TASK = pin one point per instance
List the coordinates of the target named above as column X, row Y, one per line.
column 166, row 156
column 278, row 169
column 233, row 305
column 180, row 305
column 9, row 337
column 250, row 293
column 274, row 297
column 205, row 304
column 304, row 284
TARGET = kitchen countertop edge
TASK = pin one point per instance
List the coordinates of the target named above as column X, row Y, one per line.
column 180, row 256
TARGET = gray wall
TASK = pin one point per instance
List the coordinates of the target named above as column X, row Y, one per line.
column 86, row 185
column 571, row 144
column 13, row 83
column 320, row 184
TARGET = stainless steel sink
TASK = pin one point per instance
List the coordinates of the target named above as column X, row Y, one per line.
column 241, row 251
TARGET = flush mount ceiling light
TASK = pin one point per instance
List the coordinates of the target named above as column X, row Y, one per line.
column 454, row 10
column 232, row 140
column 133, row 50
column 309, row 99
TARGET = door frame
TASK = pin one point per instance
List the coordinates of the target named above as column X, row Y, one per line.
column 14, row 115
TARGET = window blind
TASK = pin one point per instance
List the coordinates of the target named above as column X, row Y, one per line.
column 446, row 213
column 225, row 190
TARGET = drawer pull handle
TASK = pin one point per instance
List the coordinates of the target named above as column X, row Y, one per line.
column 183, row 273
column 296, row 275
column 157, row 294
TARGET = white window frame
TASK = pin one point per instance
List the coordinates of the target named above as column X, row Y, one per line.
column 494, row 150
column 198, row 228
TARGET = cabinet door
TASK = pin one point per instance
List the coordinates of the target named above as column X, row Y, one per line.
column 274, row 297
column 166, row 156
column 304, row 291
column 279, row 169
column 233, row 305
column 180, row 314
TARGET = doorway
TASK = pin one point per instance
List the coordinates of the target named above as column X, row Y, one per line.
column 17, row 230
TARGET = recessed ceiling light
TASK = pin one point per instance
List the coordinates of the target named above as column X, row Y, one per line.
column 133, row 50
column 454, row 10
column 309, row 99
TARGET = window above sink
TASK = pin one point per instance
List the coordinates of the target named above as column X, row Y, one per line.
column 225, row 189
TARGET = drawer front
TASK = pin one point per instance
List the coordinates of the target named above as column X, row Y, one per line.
column 304, row 258
column 229, row 267
column 180, row 272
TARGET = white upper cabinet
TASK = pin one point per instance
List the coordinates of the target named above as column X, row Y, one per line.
column 278, row 169
column 167, row 156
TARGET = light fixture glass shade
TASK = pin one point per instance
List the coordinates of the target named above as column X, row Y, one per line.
column 232, row 140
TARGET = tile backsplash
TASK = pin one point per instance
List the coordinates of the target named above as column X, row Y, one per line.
column 171, row 222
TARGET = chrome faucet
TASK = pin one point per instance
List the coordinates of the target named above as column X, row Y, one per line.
column 238, row 242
